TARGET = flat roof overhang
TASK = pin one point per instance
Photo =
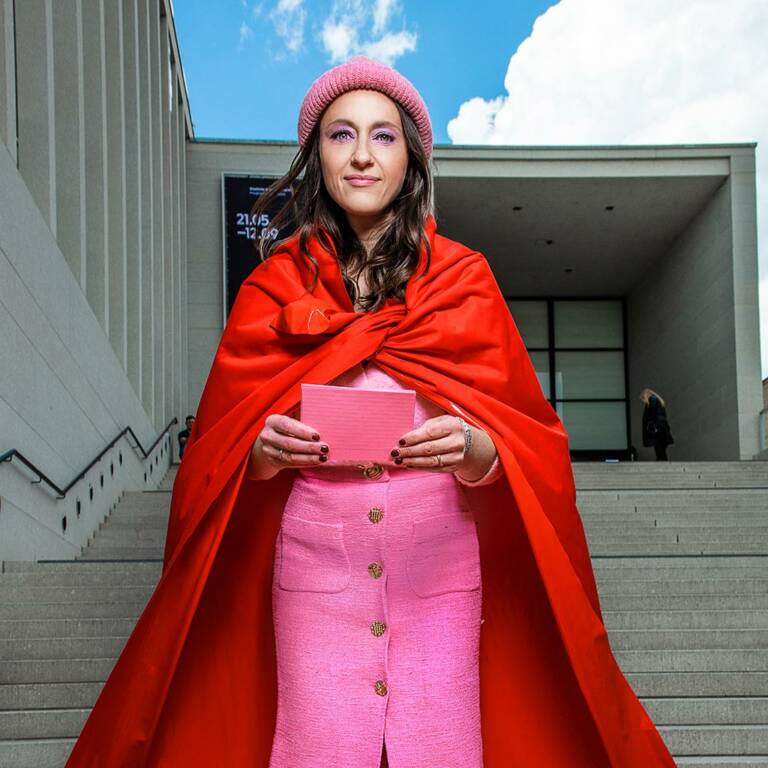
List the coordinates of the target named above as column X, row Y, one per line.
column 563, row 223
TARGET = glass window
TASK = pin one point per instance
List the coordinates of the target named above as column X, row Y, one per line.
column 589, row 323
column 540, row 362
column 589, row 374
column 594, row 426
column 531, row 320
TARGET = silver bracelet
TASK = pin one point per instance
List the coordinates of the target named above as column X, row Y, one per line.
column 467, row 435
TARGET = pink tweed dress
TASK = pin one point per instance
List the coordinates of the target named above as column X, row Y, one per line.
column 376, row 600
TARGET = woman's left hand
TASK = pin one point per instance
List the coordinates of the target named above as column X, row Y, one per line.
column 443, row 436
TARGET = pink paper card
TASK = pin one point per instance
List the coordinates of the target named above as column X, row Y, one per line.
column 358, row 424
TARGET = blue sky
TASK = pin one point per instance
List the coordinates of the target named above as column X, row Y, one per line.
column 504, row 72
column 250, row 85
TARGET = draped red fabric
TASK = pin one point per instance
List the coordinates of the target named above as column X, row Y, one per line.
column 196, row 682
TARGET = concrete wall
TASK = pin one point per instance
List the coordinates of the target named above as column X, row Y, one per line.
column 206, row 163
column 693, row 329
column 92, row 260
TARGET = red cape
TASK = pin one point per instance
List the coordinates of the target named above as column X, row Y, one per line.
column 196, row 683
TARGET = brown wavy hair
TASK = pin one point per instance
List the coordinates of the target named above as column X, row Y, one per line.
column 394, row 250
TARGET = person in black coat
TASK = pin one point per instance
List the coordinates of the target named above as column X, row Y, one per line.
column 656, row 431
column 184, row 435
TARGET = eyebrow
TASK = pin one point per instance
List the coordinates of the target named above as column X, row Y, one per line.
column 354, row 125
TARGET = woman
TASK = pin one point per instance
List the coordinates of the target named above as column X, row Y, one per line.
column 364, row 133
column 656, row 430
column 242, row 658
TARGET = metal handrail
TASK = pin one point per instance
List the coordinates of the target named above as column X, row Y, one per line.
column 62, row 492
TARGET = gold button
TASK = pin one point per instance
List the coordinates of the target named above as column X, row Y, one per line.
column 378, row 628
column 375, row 570
column 373, row 471
column 381, row 688
column 375, row 514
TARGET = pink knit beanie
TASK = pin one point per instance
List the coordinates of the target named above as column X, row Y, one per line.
column 362, row 72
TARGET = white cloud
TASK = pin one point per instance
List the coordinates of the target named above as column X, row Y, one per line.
column 289, row 18
column 344, row 32
column 623, row 72
column 382, row 10
column 245, row 34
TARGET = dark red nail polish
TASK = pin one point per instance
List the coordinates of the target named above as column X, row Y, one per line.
column 402, row 441
column 394, row 452
column 324, row 448
column 398, row 461
column 323, row 457
column 315, row 436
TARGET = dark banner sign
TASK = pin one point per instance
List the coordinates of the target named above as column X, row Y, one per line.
column 242, row 230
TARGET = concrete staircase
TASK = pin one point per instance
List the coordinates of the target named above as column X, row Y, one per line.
column 64, row 623
column 680, row 551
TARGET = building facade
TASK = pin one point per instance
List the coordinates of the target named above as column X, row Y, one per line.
column 623, row 267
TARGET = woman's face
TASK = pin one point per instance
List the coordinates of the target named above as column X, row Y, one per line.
column 361, row 135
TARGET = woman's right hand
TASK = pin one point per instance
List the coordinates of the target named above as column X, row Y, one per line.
column 300, row 444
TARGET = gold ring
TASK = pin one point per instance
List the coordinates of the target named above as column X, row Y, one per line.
column 439, row 460
column 280, row 454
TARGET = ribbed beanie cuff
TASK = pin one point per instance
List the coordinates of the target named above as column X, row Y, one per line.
column 362, row 72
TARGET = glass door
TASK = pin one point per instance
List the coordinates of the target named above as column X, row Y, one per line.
column 578, row 349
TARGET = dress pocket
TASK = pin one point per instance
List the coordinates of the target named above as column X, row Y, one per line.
column 444, row 554
column 313, row 556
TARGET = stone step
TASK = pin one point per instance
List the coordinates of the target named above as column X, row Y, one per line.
column 686, row 620
column 683, row 571
column 84, row 610
column 74, row 594
column 145, row 537
column 96, row 552
column 703, row 586
column 684, row 536
column 681, row 561
column 705, row 480
column 720, row 761
column 90, row 578
column 709, row 660
column 688, row 639
column 720, row 532
column 630, row 548
column 715, row 739
column 24, row 648
column 672, row 507
column 124, row 522
column 70, row 627
column 691, row 684
column 35, row 753
column 617, row 547
column 80, row 566
column 54, row 723
column 586, row 474
column 642, row 521
column 706, row 710
column 682, row 602
column 59, row 670
column 680, row 498
column 45, row 695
